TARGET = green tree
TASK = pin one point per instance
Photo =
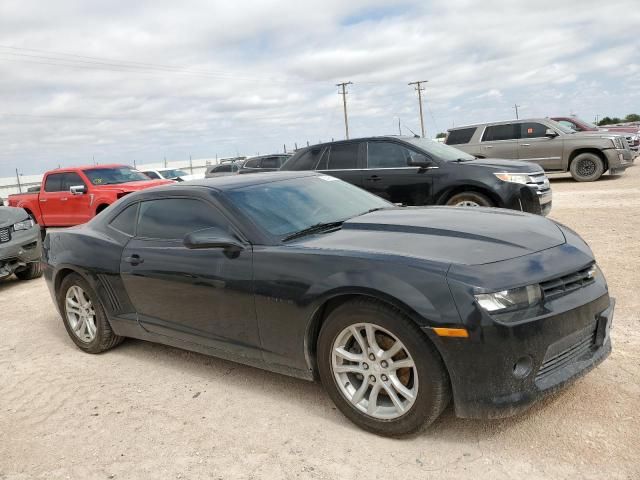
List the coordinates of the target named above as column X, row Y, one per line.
column 632, row 117
column 609, row 121
column 441, row 135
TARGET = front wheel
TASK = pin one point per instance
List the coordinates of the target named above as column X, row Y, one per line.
column 587, row 167
column 31, row 271
column 469, row 199
column 380, row 370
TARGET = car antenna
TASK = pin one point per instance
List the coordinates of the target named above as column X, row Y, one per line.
column 414, row 133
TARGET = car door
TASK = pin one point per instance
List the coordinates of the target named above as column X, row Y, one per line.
column 535, row 146
column 345, row 161
column 203, row 296
column 390, row 176
column 500, row 141
column 51, row 205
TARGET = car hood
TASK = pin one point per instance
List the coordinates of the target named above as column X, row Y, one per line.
column 504, row 165
column 134, row 186
column 11, row 215
column 598, row 134
column 465, row 236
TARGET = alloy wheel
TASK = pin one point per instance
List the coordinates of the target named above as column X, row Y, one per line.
column 586, row 168
column 374, row 371
column 81, row 314
column 466, row 203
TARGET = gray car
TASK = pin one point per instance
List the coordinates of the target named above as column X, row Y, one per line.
column 556, row 148
column 20, row 246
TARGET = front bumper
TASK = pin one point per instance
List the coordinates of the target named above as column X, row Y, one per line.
column 23, row 248
column 618, row 159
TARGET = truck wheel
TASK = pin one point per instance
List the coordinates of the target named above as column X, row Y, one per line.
column 587, row 167
column 469, row 199
column 33, row 270
column 380, row 370
column 84, row 317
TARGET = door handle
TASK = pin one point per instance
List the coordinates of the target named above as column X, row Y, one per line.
column 487, row 146
column 134, row 259
column 63, row 199
column 525, row 144
column 42, row 200
column 374, row 178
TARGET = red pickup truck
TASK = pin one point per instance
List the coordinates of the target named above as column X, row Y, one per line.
column 71, row 196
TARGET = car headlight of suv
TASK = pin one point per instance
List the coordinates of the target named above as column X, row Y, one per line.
column 512, row 299
column 23, row 225
column 522, row 178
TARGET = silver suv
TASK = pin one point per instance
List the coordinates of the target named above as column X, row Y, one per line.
column 556, row 148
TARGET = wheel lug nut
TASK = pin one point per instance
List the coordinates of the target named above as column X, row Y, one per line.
column 372, row 378
column 372, row 356
column 384, row 364
column 365, row 366
column 384, row 378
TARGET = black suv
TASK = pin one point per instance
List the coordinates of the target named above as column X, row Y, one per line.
column 417, row 171
column 264, row 163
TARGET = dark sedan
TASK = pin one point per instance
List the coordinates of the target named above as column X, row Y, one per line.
column 397, row 310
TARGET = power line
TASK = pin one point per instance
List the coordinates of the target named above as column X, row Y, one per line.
column 344, row 102
column 420, row 89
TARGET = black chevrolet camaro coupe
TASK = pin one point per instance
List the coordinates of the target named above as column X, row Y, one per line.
column 396, row 310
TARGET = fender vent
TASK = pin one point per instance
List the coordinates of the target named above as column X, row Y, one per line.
column 109, row 293
column 5, row 235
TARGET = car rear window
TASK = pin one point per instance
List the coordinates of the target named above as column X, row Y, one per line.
column 458, row 137
column 508, row 131
column 173, row 218
column 53, row 182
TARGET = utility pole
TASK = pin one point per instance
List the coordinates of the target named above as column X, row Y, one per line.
column 596, row 119
column 18, row 179
column 516, row 107
column 420, row 89
column 190, row 165
column 344, row 103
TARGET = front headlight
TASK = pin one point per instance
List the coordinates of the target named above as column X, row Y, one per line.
column 23, row 225
column 522, row 178
column 513, row 299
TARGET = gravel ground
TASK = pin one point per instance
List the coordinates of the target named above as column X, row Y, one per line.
column 149, row 411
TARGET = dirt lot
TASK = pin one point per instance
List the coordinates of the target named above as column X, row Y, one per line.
column 149, row 411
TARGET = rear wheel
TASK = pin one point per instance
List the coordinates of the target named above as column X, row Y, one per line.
column 84, row 316
column 587, row 167
column 470, row 199
column 380, row 370
column 31, row 271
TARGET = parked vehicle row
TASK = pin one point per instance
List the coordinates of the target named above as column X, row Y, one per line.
column 556, row 148
column 631, row 133
column 396, row 310
column 175, row 174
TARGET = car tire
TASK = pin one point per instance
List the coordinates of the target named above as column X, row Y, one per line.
column 426, row 379
column 587, row 167
column 470, row 199
column 91, row 332
column 33, row 270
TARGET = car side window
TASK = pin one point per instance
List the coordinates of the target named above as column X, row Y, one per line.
column 173, row 218
column 252, row 163
column 568, row 124
column 460, row 136
column 308, row 160
column 270, row 162
column 532, row 130
column 223, row 168
column 509, row 131
column 387, row 155
column 343, row 156
column 71, row 179
column 153, row 175
column 53, row 183
column 125, row 221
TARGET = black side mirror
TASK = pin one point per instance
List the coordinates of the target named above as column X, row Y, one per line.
column 550, row 133
column 212, row 238
column 420, row 161
column 78, row 190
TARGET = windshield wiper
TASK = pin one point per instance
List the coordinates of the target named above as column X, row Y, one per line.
column 317, row 228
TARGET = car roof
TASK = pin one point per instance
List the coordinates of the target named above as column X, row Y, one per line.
column 238, row 181
column 88, row 167
column 519, row 120
column 403, row 138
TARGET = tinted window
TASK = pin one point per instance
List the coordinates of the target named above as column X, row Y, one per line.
column 458, row 137
column 71, row 179
column 270, row 162
column 343, row 156
column 387, row 155
column 115, row 175
column 533, row 130
column 153, row 175
column 252, row 163
column 308, row 160
column 223, row 168
column 53, row 182
column 173, row 218
column 509, row 131
column 126, row 220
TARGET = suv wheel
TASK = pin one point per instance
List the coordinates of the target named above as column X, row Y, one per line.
column 587, row 167
column 469, row 199
column 31, row 271
column 380, row 370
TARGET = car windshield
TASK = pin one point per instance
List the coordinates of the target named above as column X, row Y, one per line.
column 440, row 151
column 288, row 206
column 175, row 173
column 114, row 175
column 562, row 128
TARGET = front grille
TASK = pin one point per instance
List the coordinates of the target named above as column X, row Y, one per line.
column 554, row 361
column 568, row 283
column 5, row 235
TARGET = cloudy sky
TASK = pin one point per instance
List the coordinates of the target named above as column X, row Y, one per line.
column 123, row 81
